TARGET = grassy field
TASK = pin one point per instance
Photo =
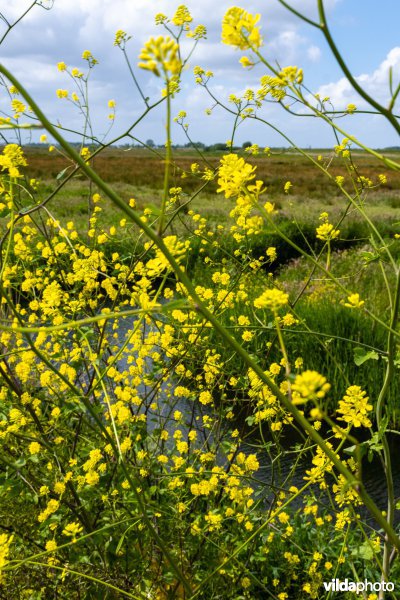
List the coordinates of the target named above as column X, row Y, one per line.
column 140, row 174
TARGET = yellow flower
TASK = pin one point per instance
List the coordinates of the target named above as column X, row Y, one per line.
column 11, row 159
column 161, row 55
column 246, row 62
column 59, row 487
column 239, row 29
column 272, row 299
column 182, row 16
column 354, row 407
column 310, row 385
column 327, row 232
column 34, row 448
column 72, row 530
column 61, row 66
column 87, row 55
column 51, row 545
column 120, row 38
column 233, row 174
column 5, row 542
column 287, row 187
column 353, row 301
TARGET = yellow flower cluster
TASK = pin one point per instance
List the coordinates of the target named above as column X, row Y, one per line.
column 5, row 542
column 273, row 299
column 160, row 56
column 355, row 407
column 239, row 29
column 309, row 385
column 11, row 159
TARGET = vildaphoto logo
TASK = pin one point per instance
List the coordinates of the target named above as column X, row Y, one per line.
column 336, row 585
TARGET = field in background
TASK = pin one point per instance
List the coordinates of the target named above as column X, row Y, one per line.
column 139, row 173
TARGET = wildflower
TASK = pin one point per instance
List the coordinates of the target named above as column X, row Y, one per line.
column 233, row 174
column 269, row 207
column 121, row 37
column 182, row 16
column 351, row 108
column 34, row 448
column 353, row 301
column 51, row 545
column 246, row 62
column 239, row 29
column 76, row 73
column 18, row 108
column 344, row 494
column 309, row 385
column 214, row 521
column 5, row 542
column 251, row 463
column 11, row 159
column 354, row 407
column 287, row 187
column 205, row 397
column 382, row 178
column 72, row 530
column 160, row 54
column 327, row 232
column 87, row 55
column 272, row 299
column 61, row 66
column 59, row 487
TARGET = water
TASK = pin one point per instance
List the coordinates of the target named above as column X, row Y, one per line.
column 274, row 473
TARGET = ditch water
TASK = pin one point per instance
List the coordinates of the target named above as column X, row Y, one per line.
column 273, row 474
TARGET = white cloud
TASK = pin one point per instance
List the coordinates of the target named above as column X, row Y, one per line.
column 376, row 84
column 34, row 47
column 314, row 53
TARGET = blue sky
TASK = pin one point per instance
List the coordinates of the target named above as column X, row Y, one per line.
column 365, row 31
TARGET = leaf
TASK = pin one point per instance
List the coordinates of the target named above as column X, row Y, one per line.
column 361, row 355
column 364, row 551
column 62, row 173
column 353, row 451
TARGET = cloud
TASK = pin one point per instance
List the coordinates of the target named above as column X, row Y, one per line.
column 376, row 84
column 44, row 38
column 314, row 53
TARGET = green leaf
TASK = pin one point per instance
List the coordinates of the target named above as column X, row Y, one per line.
column 361, row 355
column 62, row 173
column 352, row 450
column 364, row 551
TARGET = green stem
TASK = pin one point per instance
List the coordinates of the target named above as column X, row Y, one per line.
column 380, row 420
column 335, row 51
column 168, row 158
